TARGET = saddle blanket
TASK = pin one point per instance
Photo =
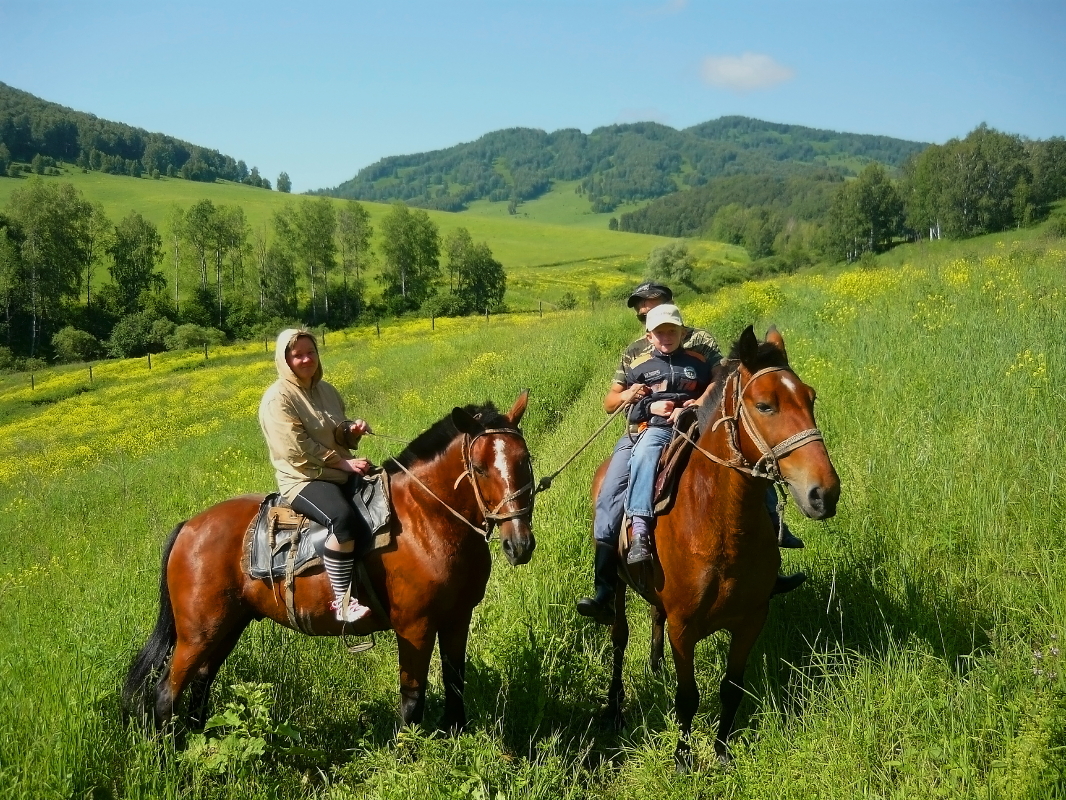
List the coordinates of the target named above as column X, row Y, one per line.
column 281, row 542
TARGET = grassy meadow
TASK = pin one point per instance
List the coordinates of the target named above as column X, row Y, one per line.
column 921, row 658
column 544, row 255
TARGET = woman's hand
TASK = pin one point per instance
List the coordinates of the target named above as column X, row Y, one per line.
column 662, row 408
column 359, row 427
column 360, row 466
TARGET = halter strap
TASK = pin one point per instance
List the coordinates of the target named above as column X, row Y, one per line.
column 767, row 465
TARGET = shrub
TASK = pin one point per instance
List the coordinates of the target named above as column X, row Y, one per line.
column 192, row 335
column 671, row 263
column 131, row 335
column 71, row 344
column 568, row 302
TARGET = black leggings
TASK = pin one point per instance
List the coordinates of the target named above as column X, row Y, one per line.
column 330, row 504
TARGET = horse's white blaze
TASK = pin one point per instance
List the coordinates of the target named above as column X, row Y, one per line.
column 504, row 468
column 788, row 382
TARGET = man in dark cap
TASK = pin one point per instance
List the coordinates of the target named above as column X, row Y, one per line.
column 610, row 501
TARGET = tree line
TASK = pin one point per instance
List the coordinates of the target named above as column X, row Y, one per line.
column 614, row 164
column 41, row 134
column 986, row 182
column 74, row 285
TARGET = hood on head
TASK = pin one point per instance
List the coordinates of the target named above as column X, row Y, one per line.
column 284, row 341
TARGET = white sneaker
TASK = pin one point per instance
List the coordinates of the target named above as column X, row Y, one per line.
column 355, row 611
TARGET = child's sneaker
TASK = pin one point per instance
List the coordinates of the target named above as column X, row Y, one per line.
column 355, row 611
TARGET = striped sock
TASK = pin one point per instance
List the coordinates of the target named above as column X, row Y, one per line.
column 339, row 566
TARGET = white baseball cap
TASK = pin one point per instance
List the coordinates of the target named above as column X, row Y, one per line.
column 663, row 314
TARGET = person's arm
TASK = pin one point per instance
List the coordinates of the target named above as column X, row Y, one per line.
column 620, row 394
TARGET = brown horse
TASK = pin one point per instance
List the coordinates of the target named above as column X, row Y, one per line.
column 717, row 551
column 428, row 579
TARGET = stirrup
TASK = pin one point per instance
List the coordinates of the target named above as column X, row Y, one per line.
column 353, row 613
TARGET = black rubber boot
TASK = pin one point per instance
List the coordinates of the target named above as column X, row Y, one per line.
column 789, row 540
column 786, row 584
column 601, row 606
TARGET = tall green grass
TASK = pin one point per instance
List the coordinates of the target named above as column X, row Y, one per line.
column 920, row 659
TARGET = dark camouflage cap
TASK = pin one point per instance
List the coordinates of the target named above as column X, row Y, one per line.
column 646, row 291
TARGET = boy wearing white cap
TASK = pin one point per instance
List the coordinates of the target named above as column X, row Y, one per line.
column 675, row 378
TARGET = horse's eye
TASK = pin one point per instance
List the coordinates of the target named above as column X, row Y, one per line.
column 480, row 470
column 764, row 408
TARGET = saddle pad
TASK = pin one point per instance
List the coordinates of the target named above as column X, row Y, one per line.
column 673, row 460
column 277, row 529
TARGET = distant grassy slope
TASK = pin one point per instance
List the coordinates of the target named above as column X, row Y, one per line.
column 577, row 254
column 560, row 206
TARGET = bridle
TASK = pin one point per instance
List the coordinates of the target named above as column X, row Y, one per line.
column 492, row 516
column 739, row 417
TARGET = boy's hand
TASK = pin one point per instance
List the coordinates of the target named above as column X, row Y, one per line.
column 662, row 408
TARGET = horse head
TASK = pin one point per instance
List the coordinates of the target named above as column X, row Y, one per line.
column 498, row 463
column 777, row 430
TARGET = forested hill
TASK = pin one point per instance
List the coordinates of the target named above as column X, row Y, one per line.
column 35, row 130
column 615, row 164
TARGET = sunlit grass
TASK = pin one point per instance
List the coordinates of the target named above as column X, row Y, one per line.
column 921, row 659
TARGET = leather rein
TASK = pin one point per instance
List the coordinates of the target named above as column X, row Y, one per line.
column 491, row 516
column 767, row 464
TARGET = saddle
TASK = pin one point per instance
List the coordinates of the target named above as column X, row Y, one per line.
column 281, row 543
column 673, row 460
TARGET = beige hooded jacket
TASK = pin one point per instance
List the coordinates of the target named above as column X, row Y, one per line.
column 305, row 426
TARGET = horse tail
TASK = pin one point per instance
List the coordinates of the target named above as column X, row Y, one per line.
column 157, row 649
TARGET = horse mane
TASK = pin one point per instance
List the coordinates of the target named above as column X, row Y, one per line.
column 435, row 440
column 767, row 355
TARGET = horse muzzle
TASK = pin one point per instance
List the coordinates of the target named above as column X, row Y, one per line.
column 817, row 500
column 517, row 541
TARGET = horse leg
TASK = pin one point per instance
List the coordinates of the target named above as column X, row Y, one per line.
column 200, row 685
column 452, row 642
column 731, row 691
column 658, row 626
column 619, row 639
column 687, row 699
column 415, row 646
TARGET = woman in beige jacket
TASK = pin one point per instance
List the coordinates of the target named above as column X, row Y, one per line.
column 310, row 442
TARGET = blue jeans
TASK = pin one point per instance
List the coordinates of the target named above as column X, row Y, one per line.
column 642, row 466
column 610, row 502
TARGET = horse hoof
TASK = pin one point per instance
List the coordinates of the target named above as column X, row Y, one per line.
column 682, row 761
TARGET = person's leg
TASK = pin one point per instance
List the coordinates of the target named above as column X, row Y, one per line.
column 640, row 499
column 786, row 538
column 327, row 504
column 606, row 523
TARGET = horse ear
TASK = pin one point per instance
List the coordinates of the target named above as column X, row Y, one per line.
column 774, row 337
column 466, row 423
column 519, row 408
column 748, row 346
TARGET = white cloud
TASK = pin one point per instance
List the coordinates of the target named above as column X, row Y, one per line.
column 745, row 72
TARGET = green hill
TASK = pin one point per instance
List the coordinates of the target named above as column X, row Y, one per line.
column 613, row 165
column 543, row 260
column 36, row 129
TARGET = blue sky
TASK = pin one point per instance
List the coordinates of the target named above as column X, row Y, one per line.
column 322, row 89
